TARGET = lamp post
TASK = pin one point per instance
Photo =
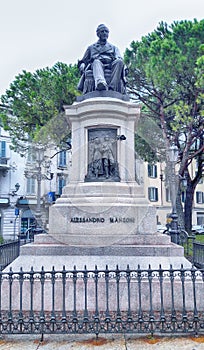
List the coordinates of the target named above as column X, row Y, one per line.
column 14, row 193
column 172, row 158
column 35, row 171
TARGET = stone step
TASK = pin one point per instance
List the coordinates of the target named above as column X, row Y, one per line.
column 170, row 249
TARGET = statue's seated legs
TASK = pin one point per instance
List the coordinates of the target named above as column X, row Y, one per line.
column 102, row 77
column 116, row 71
column 99, row 76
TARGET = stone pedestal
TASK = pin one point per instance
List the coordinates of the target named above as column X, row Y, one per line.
column 103, row 219
column 102, row 212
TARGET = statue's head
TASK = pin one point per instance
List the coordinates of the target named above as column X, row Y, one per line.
column 101, row 28
column 97, row 140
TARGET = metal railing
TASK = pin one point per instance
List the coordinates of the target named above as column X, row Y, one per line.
column 198, row 254
column 148, row 301
column 187, row 243
column 8, row 252
column 194, row 251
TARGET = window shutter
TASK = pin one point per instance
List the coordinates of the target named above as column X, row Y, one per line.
column 149, row 170
column 156, row 194
column 155, row 166
column 149, row 193
column 3, row 149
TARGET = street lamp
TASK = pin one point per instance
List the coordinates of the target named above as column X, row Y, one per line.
column 172, row 158
column 35, row 172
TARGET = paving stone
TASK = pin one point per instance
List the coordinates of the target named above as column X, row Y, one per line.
column 109, row 342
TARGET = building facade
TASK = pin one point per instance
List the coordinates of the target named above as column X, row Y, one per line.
column 158, row 193
column 11, row 186
column 19, row 187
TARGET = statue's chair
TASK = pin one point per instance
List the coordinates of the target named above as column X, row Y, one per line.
column 87, row 84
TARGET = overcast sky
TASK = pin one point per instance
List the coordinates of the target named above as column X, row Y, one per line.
column 38, row 33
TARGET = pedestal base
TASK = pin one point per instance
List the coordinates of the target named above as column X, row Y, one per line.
column 101, row 214
column 144, row 251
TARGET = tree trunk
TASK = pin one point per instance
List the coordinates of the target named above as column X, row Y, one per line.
column 179, row 210
column 189, row 207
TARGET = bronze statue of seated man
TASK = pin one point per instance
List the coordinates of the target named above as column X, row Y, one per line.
column 102, row 66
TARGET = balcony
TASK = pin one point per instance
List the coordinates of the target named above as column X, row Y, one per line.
column 4, row 163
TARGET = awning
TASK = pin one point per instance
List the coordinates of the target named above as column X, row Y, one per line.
column 27, row 214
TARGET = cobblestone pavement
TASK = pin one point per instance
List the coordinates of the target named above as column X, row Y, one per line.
column 58, row 342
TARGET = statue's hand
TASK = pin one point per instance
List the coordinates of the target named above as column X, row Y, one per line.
column 82, row 68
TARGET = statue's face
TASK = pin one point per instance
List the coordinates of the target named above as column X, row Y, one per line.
column 103, row 33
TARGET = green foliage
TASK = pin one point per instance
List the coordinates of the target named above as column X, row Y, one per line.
column 34, row 99
column 200, row 238
column 148, row 140
column 166, row 74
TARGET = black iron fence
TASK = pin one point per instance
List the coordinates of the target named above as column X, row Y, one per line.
column 194, row 251
column 8, row 252
column 198, row 254
column 97, row 301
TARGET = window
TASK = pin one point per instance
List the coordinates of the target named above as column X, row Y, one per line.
column 153, row 194
column 30, row 186
column 61, row 184
column 152, row 170
column 168, row 195
column 200, row 218
column 3, row 149
column 62, row 159
column 26, row 223
column 199, row 197
column 30, row 156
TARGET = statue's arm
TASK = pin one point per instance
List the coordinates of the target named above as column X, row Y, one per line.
column 117, row 53
column 82, row 64
column 125, row 68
